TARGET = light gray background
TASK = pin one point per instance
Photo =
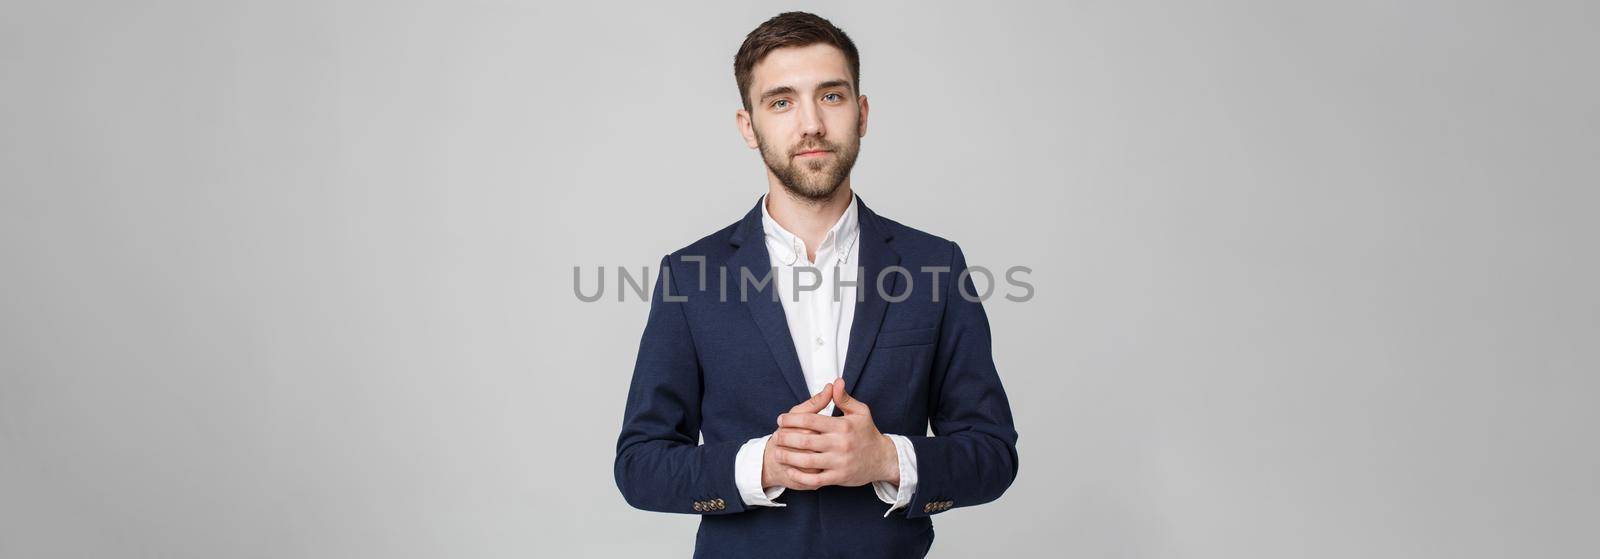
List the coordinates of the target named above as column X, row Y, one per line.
column 293, row 279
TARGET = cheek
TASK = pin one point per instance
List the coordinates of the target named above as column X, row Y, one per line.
column 843, row 123
column 771, row 131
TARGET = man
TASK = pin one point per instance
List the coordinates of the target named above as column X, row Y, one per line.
column 793, row 361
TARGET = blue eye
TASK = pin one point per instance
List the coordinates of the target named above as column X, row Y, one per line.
column 780, row 103
column 835, row 95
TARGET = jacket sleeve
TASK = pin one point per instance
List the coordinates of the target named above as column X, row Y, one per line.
column 660, row 465
column 972, row 457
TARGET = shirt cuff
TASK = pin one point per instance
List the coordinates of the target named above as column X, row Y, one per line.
column 747, row 475
column 899, row 495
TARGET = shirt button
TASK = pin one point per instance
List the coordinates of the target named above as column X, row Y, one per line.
column 819, row 340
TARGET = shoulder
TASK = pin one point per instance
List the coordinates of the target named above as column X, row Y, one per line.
column 917, row 246
column 717, row 244
column 708, row 253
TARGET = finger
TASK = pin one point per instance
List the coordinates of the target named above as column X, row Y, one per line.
column 812, row 481
column 816, row 402
column 778, row 441
column 781, row 474
column 801, row 441
column 798, row 441
column 808, row 460
column 805, row 480
column 775, row 449
column 787, row 473
column 814, row 422
column 847, row 403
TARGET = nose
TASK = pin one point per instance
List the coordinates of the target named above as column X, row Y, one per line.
column 811, row 120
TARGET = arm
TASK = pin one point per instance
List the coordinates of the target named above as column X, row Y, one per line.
column 659, row 465
column 972, row 459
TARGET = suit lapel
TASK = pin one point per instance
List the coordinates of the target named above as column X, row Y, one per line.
column 763, row 303
column 876, row 256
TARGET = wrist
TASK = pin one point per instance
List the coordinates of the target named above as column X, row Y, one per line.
column 889, row 469
column 766, row 465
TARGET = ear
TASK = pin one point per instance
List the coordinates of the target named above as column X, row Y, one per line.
column 861, row 130
column 746, row 128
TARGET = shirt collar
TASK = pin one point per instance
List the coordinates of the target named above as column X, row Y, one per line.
column 845, row 230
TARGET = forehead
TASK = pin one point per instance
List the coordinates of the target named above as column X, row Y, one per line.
column 799, row 67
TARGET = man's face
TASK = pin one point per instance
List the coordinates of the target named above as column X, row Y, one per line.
column 806, row 118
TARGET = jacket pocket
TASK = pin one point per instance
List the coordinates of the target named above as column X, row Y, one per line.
column 897, row 338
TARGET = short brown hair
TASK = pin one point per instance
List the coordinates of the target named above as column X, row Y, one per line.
column 791, row 29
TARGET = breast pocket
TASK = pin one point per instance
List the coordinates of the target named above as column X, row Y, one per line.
column 900, row 338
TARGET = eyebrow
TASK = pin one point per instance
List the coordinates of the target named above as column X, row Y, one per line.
column 786, row 90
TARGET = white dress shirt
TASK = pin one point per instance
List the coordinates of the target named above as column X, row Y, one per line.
column 819, row 325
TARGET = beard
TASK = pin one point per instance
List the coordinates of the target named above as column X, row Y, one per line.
column 814, row 178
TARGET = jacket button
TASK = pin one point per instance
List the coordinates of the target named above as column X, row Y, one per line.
column 699, row 506
column 720, row 505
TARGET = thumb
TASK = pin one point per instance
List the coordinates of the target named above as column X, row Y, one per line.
column 845, row 402
column 816, row 402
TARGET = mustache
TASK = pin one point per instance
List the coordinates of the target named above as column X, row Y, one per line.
column 812, row 147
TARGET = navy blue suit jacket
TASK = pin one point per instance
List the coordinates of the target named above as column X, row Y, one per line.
column 715, row 366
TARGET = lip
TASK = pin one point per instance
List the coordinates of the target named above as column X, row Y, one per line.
column 813, row 153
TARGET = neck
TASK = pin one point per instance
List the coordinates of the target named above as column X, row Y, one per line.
column 806, row 218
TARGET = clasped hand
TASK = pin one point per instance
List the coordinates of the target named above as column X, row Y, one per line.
column 809, row 451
